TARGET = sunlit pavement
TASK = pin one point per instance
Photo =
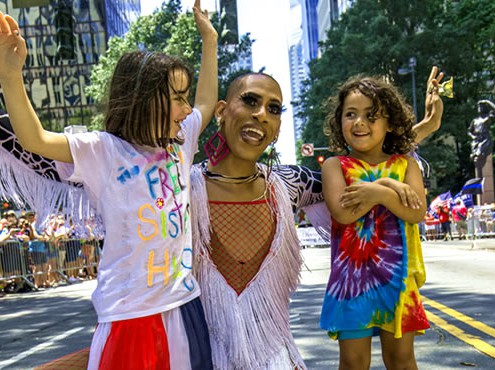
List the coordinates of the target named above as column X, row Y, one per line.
column 320, row 352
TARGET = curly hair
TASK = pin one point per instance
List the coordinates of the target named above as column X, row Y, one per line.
column 387, row 101
column 138, row 107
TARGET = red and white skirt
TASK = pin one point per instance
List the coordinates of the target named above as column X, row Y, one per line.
column 177, row 339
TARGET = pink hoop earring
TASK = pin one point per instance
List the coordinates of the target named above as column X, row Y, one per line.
column 216, row 147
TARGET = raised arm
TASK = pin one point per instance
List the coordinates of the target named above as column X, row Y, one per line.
column 23, row 118
column 433, row 108
column 207, row 89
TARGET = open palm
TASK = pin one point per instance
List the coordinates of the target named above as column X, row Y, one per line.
column 12, row 47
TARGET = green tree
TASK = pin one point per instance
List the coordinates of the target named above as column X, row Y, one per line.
column 378, row 37
column 171, row 31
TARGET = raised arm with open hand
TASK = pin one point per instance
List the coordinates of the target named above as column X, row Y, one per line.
column 23, row 118
column 207, row 89
column 433, row 107
column 12, row 49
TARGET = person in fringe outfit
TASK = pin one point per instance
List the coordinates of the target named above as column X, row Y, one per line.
column 247, row 309
column 247, row 254
column 137, row 175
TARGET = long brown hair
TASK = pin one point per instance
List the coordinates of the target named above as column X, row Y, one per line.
column 138, row 109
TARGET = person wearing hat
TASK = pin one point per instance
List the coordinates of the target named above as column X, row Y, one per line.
column 459, row 215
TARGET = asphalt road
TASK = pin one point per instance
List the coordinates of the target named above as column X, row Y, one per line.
column 37, row 327
column 438, row 349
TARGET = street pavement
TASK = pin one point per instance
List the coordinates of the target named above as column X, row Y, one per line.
column 320, row 352
column 482, row 244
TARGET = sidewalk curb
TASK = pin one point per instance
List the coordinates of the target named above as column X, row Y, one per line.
column 476, row 244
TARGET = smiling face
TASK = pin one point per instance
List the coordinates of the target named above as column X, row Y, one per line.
column 251, row 115
column 148, row 98
column 362, row 131
column 179, row 104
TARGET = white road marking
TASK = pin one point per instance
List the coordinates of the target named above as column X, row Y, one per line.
column 39, row 347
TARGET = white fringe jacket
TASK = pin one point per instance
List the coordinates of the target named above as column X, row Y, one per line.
column 249, row 331
column 252, row 330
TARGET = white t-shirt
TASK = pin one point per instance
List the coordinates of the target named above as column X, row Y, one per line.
column 142, row 195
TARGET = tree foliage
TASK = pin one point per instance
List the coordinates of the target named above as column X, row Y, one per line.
column 173, row 32
column 378, row 38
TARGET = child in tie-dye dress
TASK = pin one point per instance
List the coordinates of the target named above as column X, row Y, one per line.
column 376, row 197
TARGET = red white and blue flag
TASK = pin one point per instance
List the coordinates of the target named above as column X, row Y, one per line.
column 444, row 200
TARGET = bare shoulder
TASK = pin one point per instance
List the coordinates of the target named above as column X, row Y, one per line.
column 331, row 170
column 411, row 162
column 330, row 164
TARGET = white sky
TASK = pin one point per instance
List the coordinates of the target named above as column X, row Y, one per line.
column 268, row 23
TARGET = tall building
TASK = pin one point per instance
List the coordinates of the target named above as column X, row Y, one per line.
column 315, row 18
column 65, row 39
column 118, row 15
column 329, row 11
column 297, row 63
column 310, row 28
column 228, row 12
column 229, row 21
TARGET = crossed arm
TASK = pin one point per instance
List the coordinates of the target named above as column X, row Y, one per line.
column 347, row 204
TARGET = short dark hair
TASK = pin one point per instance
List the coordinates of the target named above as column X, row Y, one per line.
column 136, row 109
column 236, row 82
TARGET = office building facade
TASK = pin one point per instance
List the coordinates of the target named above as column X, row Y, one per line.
column 58, row 66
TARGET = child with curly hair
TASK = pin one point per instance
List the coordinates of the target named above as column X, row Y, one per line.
column 376, row 197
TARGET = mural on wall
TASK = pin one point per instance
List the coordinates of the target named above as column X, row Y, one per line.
column 56, row 84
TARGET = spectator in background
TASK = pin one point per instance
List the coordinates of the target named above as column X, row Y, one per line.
column 72, row 245
column 301, row 219
column 54, row 256
column 3, row 224
column 444, row 218
column 87, row 253
column 60, row 234
column 459, row 215
column 25, row 233
column 6, row 233
column 486, row 219
column 11, row 239
column 430, row 226
column 38, row 250
column 11, row 219
column 470, row 221
column 31, row 218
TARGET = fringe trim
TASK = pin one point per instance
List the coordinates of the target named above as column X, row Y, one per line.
column 28, row 189
column 319, row 216
column 249, row 330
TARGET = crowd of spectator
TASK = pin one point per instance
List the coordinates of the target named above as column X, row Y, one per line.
column 36, row 257
column 447, row 222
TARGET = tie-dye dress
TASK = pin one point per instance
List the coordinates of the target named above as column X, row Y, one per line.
column 376, row 265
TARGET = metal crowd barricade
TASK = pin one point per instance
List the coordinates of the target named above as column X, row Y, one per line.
column 63, row 258
column 480, row 223
column 13, row 261
column 78, row 254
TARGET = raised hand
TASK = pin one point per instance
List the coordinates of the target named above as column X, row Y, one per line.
column 207, row 88
column 433, row 102
column 12, row 48
column 433, row 107
column 202, row 21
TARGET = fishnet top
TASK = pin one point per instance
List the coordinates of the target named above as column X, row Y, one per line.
column 241, row 236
